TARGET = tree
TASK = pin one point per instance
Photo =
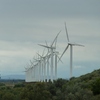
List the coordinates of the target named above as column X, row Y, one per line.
column 8, row 96
column 96, row 86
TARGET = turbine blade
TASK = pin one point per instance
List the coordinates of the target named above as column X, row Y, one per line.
column 59, row 59
column 66, row 32
column 43, row 52
column 78, row 45
column 47, row 48
column 64, row 51
column 55, row 39
column 46, row 43
column 25, row 68
column 25, row 71
column 43, row 46
column 39, row 55
column 31, row 63
column 35, row 59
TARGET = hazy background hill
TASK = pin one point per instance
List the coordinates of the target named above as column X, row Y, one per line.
column 13, row 77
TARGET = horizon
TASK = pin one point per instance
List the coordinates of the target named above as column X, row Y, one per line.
column 22, row 77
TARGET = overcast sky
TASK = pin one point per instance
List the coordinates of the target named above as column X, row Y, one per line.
column 26, row 23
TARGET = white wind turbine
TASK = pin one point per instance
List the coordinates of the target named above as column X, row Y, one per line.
column 43, row 60
column 43, row 64
column 55, row 54
column 52, row 48
column 70, row 44
column 26, row 72
column 39, row 62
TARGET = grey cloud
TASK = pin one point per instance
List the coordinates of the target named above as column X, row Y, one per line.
column 48, row 9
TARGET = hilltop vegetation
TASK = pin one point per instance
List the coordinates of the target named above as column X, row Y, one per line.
column 85, row 87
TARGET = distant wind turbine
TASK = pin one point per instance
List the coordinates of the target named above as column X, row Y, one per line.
column 71, row 50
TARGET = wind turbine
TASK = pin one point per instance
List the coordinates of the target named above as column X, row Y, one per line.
column 70, row 44
column 43, row 65
column 52, row 50
column 27, row 69
column 26, row 72
column 34, row 70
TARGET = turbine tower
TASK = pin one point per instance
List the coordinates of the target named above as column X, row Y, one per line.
column 70, row 44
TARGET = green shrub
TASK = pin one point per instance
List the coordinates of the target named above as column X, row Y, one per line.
column 96, row 87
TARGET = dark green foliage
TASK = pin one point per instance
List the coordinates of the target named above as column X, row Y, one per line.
column 60, row 82
column 96, row 87
column 2, row 84
column 19, row 85
column 35, row 91
column 8, row 96
column 85, row 87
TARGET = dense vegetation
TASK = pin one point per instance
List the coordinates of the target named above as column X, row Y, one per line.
column 85, row 87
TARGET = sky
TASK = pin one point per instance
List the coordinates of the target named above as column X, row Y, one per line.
column 26, row 23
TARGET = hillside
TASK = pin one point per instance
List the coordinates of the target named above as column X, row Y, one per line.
column 85, row 87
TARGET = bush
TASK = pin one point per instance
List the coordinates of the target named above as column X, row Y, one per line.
column 19, row 85
column 8, row 96
column 2, row 84
column 96, row 87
